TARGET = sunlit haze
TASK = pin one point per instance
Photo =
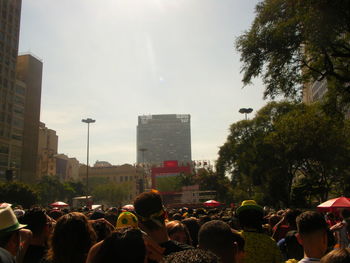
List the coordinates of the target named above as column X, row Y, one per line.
column 113, row 60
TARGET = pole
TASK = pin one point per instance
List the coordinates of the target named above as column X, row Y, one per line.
column 87, row 166
column 88, row 121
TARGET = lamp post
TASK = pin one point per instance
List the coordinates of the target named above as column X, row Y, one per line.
column 142, row 181
column 88, row 121
column 245, row 111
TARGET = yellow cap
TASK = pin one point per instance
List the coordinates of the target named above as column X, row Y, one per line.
column 127, row 219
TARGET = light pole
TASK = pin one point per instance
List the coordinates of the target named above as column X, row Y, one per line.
column 88, row 121
column 142, row 182
column 246, row 111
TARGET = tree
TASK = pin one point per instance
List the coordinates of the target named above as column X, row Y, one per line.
column 112, row 193
column 18, row 194
column 287, row 145
column 50, row 189
column 296, row 42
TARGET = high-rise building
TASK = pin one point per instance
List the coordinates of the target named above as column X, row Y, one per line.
column 29, row 71
column 10, row 145
column 164, row 137
column 47, row 150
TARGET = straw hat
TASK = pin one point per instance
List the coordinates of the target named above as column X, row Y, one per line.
column 8, row 221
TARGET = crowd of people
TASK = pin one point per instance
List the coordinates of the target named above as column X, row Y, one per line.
column 151, row 233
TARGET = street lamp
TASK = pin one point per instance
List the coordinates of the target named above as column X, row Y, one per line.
column 246, row 111
column 88, row 121
column 142, row 181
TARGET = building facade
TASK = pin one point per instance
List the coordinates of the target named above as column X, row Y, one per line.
column 10, row 146
column 164, row 137
column 29, row 71
column 126, row 175
column 47, row 151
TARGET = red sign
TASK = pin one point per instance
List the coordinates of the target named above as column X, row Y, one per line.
column 171, row 164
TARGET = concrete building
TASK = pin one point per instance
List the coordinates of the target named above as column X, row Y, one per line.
column 67, row 169
column 29, row 71
column 10, row 14
column 164, row 137
column 126, row 174
column 47, row 151
column 315, row 91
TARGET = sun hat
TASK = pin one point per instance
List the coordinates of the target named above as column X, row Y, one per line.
column 126, row 219
column 8, row 221
column 249, row 205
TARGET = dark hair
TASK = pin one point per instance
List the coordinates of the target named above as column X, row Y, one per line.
column 217, row 237
column 337, row 256
column 345, row 213
column 35, row 219
column 123, row 245
column 251, row 218
column 147, row 204
column 193, row 228
column 71, row 240
column 177, row 226
column 291, row 216
column 102, row 229
column 192, row 256
column 55, row 214
column 310, row 222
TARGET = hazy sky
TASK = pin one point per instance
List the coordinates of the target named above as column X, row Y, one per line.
column 112, row 60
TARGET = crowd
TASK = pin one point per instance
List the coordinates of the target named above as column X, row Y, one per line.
column 150, row 233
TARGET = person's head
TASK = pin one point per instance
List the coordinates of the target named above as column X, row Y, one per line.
column 217, row 237
column 312, row 233
column 71, row 240
column 38, row 222
column 178, row 231
column 9, row 230
column 123, row 245
column 150, row 212
column 337, row 256
column 193, row 228
column 192, row 256
column 102, row 229
column 127, row 219
column 250, row 215
column 291, row 217
column 345, row 213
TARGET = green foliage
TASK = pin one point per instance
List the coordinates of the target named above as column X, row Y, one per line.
column 287, row 146
column 18, row 194
column 112, row 193
column 294, row 42
column 50, row 189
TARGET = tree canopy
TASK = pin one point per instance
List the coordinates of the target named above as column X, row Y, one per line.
column 294, row 42
column 286, row 145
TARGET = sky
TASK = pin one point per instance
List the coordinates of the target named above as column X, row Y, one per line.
column 113, row 60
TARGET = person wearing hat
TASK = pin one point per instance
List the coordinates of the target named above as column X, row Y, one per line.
column 127, row 219
column 259, row 247
column 9, row 235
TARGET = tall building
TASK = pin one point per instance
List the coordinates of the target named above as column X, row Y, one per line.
column 164, row 137
column 29, row 71
column 315, row 91
column 10, row 14
column 47, row 151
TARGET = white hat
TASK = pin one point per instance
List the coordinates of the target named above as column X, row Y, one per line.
column 8, row 221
